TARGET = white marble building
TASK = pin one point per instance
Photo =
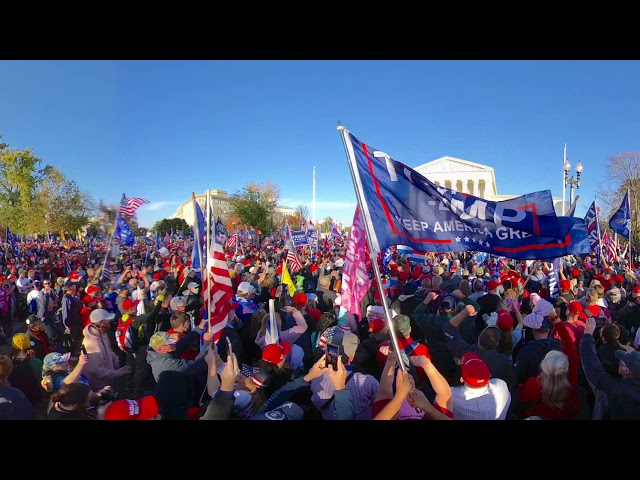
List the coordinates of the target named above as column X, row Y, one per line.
column 469, row 177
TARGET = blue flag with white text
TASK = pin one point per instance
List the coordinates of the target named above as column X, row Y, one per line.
column 403, row 207
column 620, row 222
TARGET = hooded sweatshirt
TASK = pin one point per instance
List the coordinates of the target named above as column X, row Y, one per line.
column 104, row 364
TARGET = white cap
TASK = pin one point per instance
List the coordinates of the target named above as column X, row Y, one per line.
column 192, row 285
column 177, row 302
column 246, row 287
column 252, row 269
column 100, row 314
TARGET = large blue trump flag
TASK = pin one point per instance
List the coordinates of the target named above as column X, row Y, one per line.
column 404, row 208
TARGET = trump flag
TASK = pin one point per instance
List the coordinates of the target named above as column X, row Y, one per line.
column 405, row 208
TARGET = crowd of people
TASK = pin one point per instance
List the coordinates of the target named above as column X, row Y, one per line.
column 498, row 339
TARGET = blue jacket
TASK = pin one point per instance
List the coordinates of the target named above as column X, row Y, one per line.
column 14, row 405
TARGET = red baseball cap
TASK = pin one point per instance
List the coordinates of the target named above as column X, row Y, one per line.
column 505, row 321
column 492, row 285
column 475, row 372
column 565, row 285
column 376, row 325
column 276, row 352
column 144, row 408
column 128, row 303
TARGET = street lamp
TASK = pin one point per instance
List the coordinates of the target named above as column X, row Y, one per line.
column 569, row 181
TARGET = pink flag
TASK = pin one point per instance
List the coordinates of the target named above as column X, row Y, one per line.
column 355, row 275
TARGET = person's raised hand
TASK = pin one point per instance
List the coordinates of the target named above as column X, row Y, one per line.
column 431, row 296
column 420, row 361
column 317, row 369
column 229, row 373
column 339, row 376
column 404, row 383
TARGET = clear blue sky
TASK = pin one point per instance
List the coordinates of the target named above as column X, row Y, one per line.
column 163, row 129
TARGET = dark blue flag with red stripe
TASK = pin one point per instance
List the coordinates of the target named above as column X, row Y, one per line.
column 402, row 207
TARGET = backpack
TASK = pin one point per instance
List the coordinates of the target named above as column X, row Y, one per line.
column 33, row 306
column 601, row 319
column 127, row 337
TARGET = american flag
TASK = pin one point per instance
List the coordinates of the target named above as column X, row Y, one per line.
column 128, row 206
column 233, row 239
column 609, row 246
column 293, row 261
column 216, row 281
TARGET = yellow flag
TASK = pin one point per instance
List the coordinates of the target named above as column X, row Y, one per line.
column 62, row 237
column 286, row 280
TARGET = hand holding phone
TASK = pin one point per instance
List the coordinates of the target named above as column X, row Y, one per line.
column 229, row 348
column 333, row 351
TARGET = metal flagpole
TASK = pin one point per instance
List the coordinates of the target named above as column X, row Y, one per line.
column 106, row 255
column 373, row 253
column 630, row 217
column 595, row 202
column 208, row 246
column 564, row 174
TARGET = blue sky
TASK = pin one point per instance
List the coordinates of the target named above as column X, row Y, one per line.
column 163, row 129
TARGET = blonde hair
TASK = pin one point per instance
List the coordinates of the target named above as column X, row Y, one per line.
column 554, row 378
column 511, row 293
column 268, row 282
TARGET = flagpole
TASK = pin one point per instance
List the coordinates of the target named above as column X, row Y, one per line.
column 595, row 202
column 106, row 255
column 208, row 246
column 630, row 236
column 373, row 253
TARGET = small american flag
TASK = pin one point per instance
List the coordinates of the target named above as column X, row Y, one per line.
column 293, row 261
column 233, row 239
column 128, row 206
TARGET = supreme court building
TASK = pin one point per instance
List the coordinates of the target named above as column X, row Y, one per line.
column 469, row 177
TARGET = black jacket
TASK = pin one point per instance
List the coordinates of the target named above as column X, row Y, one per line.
column 529, row 357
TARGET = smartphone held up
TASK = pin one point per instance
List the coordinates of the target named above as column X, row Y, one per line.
column 331, row 359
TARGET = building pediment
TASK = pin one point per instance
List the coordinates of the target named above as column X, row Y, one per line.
column 448, row 164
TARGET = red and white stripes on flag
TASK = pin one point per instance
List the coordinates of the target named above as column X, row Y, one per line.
column 218, row 283
column 233, row 239
column 609, row 247
column 128, row 206
column 293, row 261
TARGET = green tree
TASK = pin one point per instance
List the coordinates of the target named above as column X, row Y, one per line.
column 325, row 225
column 167, row 224
column 35, row 199
column 255, row 204
column 58, row 205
